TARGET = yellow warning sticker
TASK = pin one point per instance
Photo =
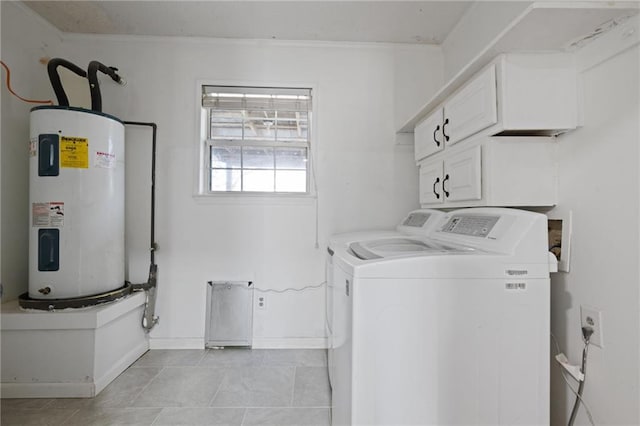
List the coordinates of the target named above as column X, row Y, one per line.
column 74, row 152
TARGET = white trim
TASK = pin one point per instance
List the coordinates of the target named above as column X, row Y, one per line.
column 123, row 363
column 200, row 186
column 258, row 343
column 176, row 343
column 586, row 4
column 252, row 198
column 290, row 343
column 608, row 45
column 249, row 42
column 47, row 390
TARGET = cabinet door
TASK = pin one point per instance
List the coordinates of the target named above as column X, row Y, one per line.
column 472, row 109
column 431, row 183
column 428, row 135
column 462, row 177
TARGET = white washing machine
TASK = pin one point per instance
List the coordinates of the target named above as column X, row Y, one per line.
column 446, row 330
column 417, row 222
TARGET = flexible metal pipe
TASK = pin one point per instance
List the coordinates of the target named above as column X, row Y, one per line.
column 586, row 334
column 94, row 85
column 54, row 77
column 576, row 405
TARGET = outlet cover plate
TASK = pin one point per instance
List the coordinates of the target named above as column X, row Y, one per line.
column 592, row 317
column 262, row 302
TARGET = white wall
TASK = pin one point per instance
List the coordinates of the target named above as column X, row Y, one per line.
column 418, row 75
column 364, row 179
column 25, row 39
column 599, row 182
column 479, row 25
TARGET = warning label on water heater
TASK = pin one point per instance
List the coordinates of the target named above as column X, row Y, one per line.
column 74, row 152
column 47, row 215
column 105, row 160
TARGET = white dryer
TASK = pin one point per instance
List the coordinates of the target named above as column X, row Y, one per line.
column 447, row 330
column 417, row 222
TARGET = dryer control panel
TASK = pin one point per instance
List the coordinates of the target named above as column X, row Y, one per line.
column 420, row 222
column 498, row 230
column 476, row 226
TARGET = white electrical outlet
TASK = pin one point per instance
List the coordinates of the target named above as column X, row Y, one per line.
column 262, row 302
column 592, row 317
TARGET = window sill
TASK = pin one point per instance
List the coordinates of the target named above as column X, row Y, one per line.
column 255, row 199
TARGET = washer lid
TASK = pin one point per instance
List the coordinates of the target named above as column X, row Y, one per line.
column 394, row 247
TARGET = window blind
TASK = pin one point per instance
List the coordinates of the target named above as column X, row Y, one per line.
column 258, row 98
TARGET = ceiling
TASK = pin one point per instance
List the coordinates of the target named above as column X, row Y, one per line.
column 424, row 22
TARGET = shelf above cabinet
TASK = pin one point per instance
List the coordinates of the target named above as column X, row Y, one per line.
column 542, row 27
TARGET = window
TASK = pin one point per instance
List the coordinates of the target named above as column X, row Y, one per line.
column 257, row 139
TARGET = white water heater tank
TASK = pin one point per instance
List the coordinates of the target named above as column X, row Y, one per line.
column 76, row 199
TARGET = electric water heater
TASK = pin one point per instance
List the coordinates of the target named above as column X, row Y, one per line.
column 76, row 203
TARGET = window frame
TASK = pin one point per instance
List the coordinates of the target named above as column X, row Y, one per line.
column 205, row 142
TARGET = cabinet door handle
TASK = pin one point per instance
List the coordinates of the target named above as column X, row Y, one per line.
column 434, row 136
column 446, row 193
column 346, row 287
column 434, row 188
column 446, row 137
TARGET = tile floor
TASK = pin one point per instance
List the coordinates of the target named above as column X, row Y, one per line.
column 197, row 387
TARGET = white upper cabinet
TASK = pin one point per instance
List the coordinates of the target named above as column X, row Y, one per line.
column 537, row 94
column 515, row 95
column 471, row 109
column 491, row 171
column 428, row 135
column 456, row 177
column 431, row 183
column 462, row 178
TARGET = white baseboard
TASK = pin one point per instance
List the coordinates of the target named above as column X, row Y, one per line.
column 258, row 343
column 47, row 390
column 290, row 343
column 123, row 364
column 178, row 343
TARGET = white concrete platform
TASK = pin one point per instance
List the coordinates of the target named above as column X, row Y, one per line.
column 69, row 353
